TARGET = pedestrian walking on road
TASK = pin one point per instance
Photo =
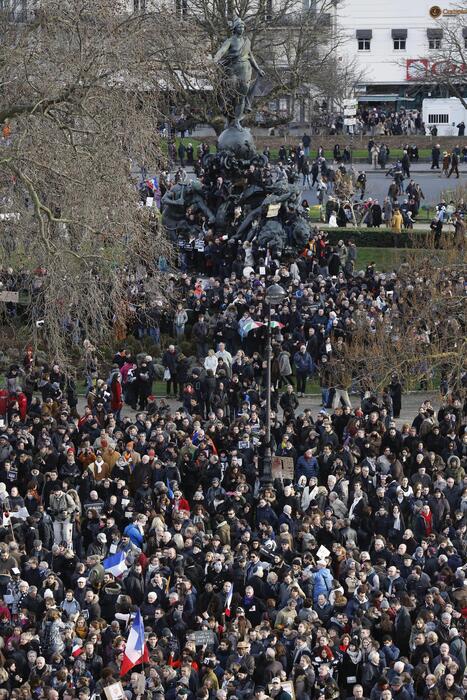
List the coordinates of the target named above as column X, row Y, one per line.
column 446, row 163
column 454, row 165
column 435, row 155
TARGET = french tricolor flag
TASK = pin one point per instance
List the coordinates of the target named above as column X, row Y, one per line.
column 228, row 601
column 136, row 651
column 77, row 650
column 115, row 564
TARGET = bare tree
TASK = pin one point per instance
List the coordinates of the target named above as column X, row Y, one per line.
column 84, row 87
column 419, row 331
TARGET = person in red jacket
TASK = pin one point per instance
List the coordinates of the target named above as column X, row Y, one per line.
column 116, row 400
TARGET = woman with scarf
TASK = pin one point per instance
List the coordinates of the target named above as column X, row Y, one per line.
column 396, row 526
column 350, row 667
column 423, row 523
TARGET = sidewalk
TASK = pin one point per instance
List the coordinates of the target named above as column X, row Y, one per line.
column 420, row 167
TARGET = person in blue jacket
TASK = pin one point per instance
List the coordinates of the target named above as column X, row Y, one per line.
column 322, row 581
column 135, row 531
column 303, row 367
column 307, row 465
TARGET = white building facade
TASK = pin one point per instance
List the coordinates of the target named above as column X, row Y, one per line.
column 394, row 42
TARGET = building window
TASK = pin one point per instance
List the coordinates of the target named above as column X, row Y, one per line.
column 364, row 44
column 181, row 7
column 438, row 119
column 434, row 44
column 399, row 44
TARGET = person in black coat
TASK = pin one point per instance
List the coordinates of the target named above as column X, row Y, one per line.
column 395, row 389
column 377, row 214
column 402, row 626
column 454, row 165
column 435, row 154
column 350, row 668
column 134, row 585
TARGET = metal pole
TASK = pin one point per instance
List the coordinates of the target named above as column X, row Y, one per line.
column 267, row 460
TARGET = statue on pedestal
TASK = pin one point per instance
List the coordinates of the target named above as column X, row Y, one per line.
column 237, row 60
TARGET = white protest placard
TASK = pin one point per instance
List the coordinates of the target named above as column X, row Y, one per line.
column 115, row 692
column 273, row 210
column 323, row 552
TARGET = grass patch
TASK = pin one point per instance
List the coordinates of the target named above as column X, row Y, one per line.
column 389, row 259
column 359, row 153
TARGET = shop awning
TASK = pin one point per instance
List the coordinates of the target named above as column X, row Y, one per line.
column 399, row 33
column 434, row 33
column 381, row 98
column 364, row 33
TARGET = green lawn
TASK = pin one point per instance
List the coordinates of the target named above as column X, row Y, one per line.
column 388, row 259
column 357, row 152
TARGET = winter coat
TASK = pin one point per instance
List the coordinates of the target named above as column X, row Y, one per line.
column 135, row 535
column 306, row 467
column 285, row 369
column 303, row 363
column 52, row 642
column 322, row 583
column 59, row 505
column 108, row 599
column 134, row 586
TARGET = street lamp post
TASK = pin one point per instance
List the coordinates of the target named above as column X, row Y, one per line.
column 274, row 295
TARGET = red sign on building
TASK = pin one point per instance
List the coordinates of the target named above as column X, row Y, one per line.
column 423, row 68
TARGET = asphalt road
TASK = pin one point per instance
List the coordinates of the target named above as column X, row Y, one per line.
column 431, row 183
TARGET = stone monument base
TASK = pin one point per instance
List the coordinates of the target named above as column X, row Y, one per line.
column 238, row 142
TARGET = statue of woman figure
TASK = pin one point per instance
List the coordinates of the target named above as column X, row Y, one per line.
column 237, row 60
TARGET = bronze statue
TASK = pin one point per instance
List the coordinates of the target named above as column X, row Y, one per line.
column 237, row 60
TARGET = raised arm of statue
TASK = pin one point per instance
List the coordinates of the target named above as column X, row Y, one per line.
column 222, row 52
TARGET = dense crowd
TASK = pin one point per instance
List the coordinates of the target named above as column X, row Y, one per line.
column 346, row 580
column 341, row 576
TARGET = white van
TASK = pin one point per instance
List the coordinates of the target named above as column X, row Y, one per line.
column 445, row 113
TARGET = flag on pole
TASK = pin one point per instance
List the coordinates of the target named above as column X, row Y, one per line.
column 136, row 651
column 77, row 650
column 228, row 601
column 115, row 564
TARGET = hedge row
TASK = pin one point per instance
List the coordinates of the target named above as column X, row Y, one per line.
column 378, row 237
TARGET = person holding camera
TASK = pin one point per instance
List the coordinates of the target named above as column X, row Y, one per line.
column 62, row 508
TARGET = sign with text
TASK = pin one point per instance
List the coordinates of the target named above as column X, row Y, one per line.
column 9, row 297
column 201, row 637
column 422, row 68
column 282, row 468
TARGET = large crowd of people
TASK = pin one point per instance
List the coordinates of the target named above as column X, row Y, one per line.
column 346, row 579
column 339, row 575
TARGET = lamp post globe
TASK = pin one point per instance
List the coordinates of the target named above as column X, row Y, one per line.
column 275, row 294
